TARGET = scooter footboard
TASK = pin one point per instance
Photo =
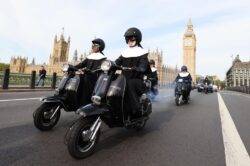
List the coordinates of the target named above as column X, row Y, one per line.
column 91, row 110
column 51, row 99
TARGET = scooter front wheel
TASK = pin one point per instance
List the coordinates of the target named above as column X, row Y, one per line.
column 177, row 100
column 79, row 146
column 45, row 117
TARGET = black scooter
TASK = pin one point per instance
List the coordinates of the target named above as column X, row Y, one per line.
column 48, row 113
column 181, row 92
column 109, row 107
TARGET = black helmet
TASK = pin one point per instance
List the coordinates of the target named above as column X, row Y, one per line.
column 184, row 68
column 152, row 62
column 133, row 32
column 100, row 42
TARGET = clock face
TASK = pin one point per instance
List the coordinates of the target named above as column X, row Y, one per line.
column 188, row 42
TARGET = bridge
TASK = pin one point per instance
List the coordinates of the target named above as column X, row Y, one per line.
column 213, row 129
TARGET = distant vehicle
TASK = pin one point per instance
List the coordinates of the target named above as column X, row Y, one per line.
column 210, row 88
column 200, row 87
column 215, row 88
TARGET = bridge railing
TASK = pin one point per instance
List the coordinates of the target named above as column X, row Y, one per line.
column 19, row 80
column 243, row 89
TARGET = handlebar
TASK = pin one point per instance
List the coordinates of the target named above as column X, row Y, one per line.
column 126, row 68
column 123, row 68
column 86, row 70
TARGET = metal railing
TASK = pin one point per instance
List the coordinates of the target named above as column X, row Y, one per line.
column 243, row 89
column 19, row 80
column 1, row 77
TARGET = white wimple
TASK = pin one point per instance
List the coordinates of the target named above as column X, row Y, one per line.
column 134, row 52
column 96, row 56
column 153, row 69
column 184, row 74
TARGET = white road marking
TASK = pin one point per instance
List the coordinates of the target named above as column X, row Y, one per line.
column 23, row 99
column 235, row 151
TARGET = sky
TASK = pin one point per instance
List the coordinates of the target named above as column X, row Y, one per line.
column 222, row 28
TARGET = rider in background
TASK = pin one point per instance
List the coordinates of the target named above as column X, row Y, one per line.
column 153, row 77
column 206, row 80
column 185, row 75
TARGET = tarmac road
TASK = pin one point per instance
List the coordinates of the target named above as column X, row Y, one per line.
column 188, row 135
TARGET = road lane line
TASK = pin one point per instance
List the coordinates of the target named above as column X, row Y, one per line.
column 23, row 99
column 235, row 151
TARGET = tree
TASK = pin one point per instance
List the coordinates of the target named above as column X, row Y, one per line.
column 4, row 66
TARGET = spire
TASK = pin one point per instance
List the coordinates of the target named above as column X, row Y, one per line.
column 75, row 56
column 237, row 59
column 55, row 39
column 33, row 61
column 62, row 30
column 62, row 34
column 81, row 58
column 62, row 37
column 189, row 24
column 189, row 30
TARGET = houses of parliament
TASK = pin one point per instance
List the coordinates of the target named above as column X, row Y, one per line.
column 60, row 56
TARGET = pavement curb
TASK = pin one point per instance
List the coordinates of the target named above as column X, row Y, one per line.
column 24, row 90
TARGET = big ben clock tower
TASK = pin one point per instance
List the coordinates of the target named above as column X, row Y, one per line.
column 189, row 50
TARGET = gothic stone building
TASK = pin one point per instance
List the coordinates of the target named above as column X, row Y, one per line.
column 58, row 57
column 239, row 73
column 166, row 75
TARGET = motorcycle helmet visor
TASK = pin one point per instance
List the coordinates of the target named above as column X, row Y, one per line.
column 130, row 38
column 95, row 45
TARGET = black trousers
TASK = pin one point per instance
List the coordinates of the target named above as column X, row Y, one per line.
column 135, row 88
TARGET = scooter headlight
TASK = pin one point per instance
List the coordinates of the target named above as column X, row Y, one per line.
column 96, row 100
column 65, row 68
column 105, row 65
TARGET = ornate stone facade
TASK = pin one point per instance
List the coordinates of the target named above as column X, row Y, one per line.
column 189, row 50
column 239, row 73
column 166, row 75
column 58, row 57
column 76, row 59
column 18, row 64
